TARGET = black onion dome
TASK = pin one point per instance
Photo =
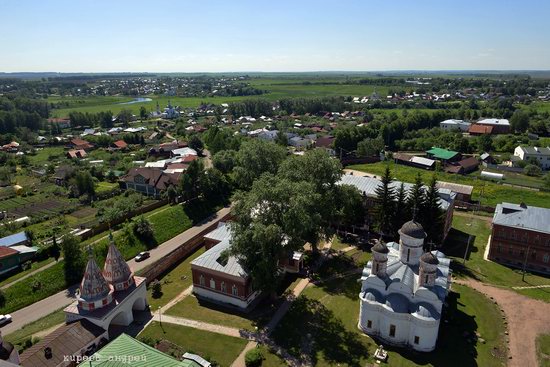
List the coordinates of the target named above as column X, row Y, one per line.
column 429, row 258
column 413, row 229
column 380, row 247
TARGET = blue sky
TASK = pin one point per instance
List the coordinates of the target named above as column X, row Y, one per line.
column 282, row 35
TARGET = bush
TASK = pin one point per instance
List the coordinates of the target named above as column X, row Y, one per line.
column 532, row 170
column 156, row 288
column 253, row 358
column 2, row 299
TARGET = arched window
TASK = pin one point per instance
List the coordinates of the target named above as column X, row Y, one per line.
column 545, row 258
column 201, row 280
column 212, row 283
column 235, row 290
column 224, row 290
column 408, row 254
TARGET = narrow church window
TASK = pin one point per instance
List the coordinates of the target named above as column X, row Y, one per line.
column 212, row 283
column 416, row 339
column 369, row 324
column 234, row 290
column 546, row 258
column 224, row 290
column 376, row 268
column 408, row 254
column 201, row 280
column 426, row 279
column 392, row 330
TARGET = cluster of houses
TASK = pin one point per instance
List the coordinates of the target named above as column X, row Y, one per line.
column 15, row 250
column 489, row 126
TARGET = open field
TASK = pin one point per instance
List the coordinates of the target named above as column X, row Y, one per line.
column 543, row 350
column 277, row 89
column 18, row 337
column 487, row 271
column 493, row 193
column 213, row 347
column 175, row 282
column 329, row 313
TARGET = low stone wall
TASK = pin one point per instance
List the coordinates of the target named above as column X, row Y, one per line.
column 463, row 205
column 155, row 270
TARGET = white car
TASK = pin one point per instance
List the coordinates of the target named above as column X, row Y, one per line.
column 142, row 256
column 4, row 319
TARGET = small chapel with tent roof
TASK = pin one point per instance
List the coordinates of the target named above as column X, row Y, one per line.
column 403, row 291
column 108, row 297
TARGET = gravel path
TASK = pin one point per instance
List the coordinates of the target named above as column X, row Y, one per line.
column 526, row 317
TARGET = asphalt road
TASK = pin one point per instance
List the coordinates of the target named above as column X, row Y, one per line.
column 59, row 300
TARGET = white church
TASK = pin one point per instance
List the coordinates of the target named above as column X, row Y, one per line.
column 403, row 291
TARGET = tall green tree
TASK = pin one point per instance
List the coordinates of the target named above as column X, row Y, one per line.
column 143, row 113
column 370, row 147
column 196, row 143
column 432, row 216
column 190, row 184
column 385, row 197
column 416, row 198
column 254, row 158
column 401, row 213
column 74, row 259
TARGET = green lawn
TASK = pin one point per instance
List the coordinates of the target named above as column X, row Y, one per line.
column 174, row 282
column 46, row 155
column 40, row 325
column 271, row 359
column 486, row 271
column 213, row 347
column 34, row 266
column 543, row 350
column 329, row 315
column 493, row 193
column 191, row 308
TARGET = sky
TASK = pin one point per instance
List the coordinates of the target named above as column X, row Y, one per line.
column 281, row 35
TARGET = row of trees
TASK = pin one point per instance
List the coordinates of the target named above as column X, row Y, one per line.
column 397, row 205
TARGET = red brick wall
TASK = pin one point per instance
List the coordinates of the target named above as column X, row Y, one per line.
column 243, row 286
column 511, row 246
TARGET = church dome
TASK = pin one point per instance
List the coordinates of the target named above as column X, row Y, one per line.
column 116, row 271
column 429, row 258
column 413, row 229
column 94, row 291
column 380, row 247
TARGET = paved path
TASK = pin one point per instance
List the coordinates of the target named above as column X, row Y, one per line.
column 533, row 286
column 214, row 328
column 61, row 299
column 277, row 317
column 526, row 317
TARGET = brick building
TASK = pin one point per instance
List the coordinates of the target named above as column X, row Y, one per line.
column 521, row 234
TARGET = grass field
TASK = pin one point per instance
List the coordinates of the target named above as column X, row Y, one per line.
column 277, row 89
column 34, row 266
column 191, row 308
column 493, row 193
column 40, row 325
column 213, row 347
column 45, row 155
column 487, row 271
column 543, row 350
column 173, row 283
column 329, row 315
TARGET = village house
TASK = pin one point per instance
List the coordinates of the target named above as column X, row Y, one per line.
column 540, row 155
column 454, row 125
column 165, row 149
column 12, row 147
column 499, row 126
column 63, row 123
column 443, row 155
column 119, row 145
column 414, row 161
column 151, row 181
column 476, row 130
column 463, row 166
column 520, row 237
column 80, row 144
column 76, row 154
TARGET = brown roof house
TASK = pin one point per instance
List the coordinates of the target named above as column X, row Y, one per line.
column 150, row 181
column 76, row 153
column 119, row 145
column 464, row 166
column 79, row 144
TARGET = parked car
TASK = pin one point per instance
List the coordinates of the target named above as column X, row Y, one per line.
column 4, row 319
column 142, row 256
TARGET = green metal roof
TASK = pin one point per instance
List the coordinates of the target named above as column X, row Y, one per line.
column 441, row 153
column 127, row 351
